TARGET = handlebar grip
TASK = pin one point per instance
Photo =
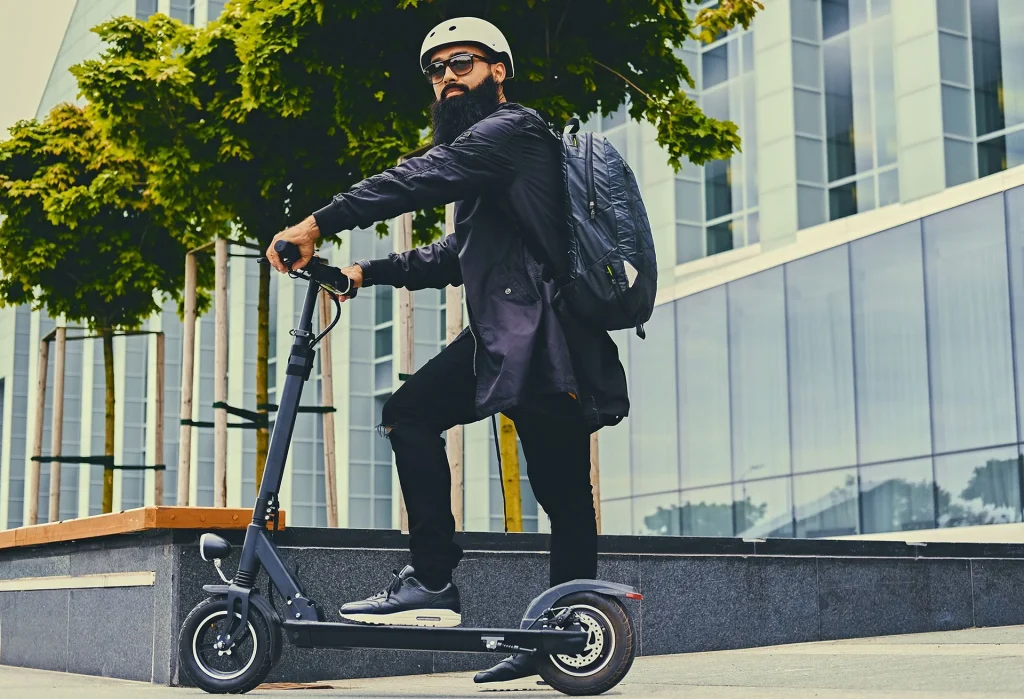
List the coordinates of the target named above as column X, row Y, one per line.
column 288, row 252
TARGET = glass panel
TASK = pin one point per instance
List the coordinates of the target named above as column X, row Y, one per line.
column 689, row 243
column 858, row 12
column 382, row 343
column 885, row 91
column 992, row 156
column 1011, row 30
column 763, row 509
column 839, row 109
column 889, row 350
column 748, row 52
column 715, row 103
column 616, row 516
column 806, row 65
column 758, row 376
column 804, row 19
column 863, row 112
column 382, row 480
column 720, row 237
column 953, row 15
column 706, row 512
column 897, row 497
column 753, row 229
column 810, row 157
column 888, row 187
column 988, row 66
column 715, row 65
column 1015, row 226
column 981, row 487
column 968, row 304
column 359, row 479
column 835, row 17
column 810, row 206
column 382, row 302
column 382, row 375
column 144, row 9
column 688, row 201
column 953, row 62
column 656, row 515
column 718, row 189
column 842, row 201
column 826, row 504
column 807, row 112
column 821, row 361
column 956, row 111
column 959, row 162
column 750, row 137
column 359, row 513
column 880, row 8
column 702, row 355
column 653, row 422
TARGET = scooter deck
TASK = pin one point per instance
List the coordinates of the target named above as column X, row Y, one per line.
column 323, row 634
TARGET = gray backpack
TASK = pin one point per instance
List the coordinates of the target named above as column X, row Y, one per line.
column 613, row 273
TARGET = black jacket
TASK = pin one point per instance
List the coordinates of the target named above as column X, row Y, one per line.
column 509, row 245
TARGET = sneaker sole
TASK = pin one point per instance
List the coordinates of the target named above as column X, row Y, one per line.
column 412, row 617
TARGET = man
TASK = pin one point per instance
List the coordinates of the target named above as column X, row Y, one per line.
column 522, row 353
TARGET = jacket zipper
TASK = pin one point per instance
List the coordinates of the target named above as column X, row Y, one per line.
column 591, row 189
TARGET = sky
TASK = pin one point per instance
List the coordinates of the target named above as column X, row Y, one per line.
column 30, row 34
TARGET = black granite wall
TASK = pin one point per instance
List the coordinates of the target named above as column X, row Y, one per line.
column 699, row 595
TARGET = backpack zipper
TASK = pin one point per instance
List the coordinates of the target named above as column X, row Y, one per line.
column 591, row 193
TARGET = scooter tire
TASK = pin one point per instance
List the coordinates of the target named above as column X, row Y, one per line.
column 610, row 653
column 260, row 649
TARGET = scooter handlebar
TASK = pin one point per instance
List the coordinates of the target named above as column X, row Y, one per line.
column 331, row 278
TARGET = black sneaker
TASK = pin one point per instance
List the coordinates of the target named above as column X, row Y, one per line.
column 406, row 602
column 514, row 667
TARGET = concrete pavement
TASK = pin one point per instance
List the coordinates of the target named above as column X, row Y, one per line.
column 972, row 664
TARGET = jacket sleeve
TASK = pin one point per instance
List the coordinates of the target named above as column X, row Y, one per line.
column 479, row 160
column 432, row 267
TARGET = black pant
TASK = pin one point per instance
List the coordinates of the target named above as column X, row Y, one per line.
column 555, row 441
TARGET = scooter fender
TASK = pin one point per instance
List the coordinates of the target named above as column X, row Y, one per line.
column 260, row 602
column 547, row 599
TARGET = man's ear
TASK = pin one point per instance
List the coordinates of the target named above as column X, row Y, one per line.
column 498, row 72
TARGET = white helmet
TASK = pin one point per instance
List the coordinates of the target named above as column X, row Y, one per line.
column 463, row 30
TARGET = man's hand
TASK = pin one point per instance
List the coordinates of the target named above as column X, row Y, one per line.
column 355, row 273
column 303, row 235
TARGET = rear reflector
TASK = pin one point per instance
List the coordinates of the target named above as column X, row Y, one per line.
column 634, row 595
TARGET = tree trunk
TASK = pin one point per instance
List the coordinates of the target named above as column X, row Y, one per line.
column 108, row 441
column 220, row 377
column 262, row 356
column 510, row 475
column 57, row 425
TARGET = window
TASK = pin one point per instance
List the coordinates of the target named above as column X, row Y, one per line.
column 184, row 11
column 702, row 357
column 653, row 424
column 890, row 349
column 821, row 361
column 144, row 9
column 968, row 301
column 758, row 377
column 897, row 497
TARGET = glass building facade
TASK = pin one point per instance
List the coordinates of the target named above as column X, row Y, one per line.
column 870, row 387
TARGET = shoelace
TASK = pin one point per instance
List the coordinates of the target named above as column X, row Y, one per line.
column 396, row 582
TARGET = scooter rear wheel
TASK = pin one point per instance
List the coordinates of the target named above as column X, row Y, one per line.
column 611, row 647
column 236, row 669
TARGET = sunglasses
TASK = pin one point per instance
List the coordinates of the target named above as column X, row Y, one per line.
column 461, row 64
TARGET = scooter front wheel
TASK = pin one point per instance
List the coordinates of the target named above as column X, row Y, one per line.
column 610, row 650
column 219, row 668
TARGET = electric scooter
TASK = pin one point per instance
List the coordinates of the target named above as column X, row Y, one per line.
column 580, row 632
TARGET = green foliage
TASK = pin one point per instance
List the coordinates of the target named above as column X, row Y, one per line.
column 83, row 235
column 259, row 118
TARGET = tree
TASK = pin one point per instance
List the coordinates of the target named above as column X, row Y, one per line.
column 83, row 237
column 259, row 118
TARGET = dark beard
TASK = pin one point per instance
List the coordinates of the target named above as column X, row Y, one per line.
column 450, row 116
